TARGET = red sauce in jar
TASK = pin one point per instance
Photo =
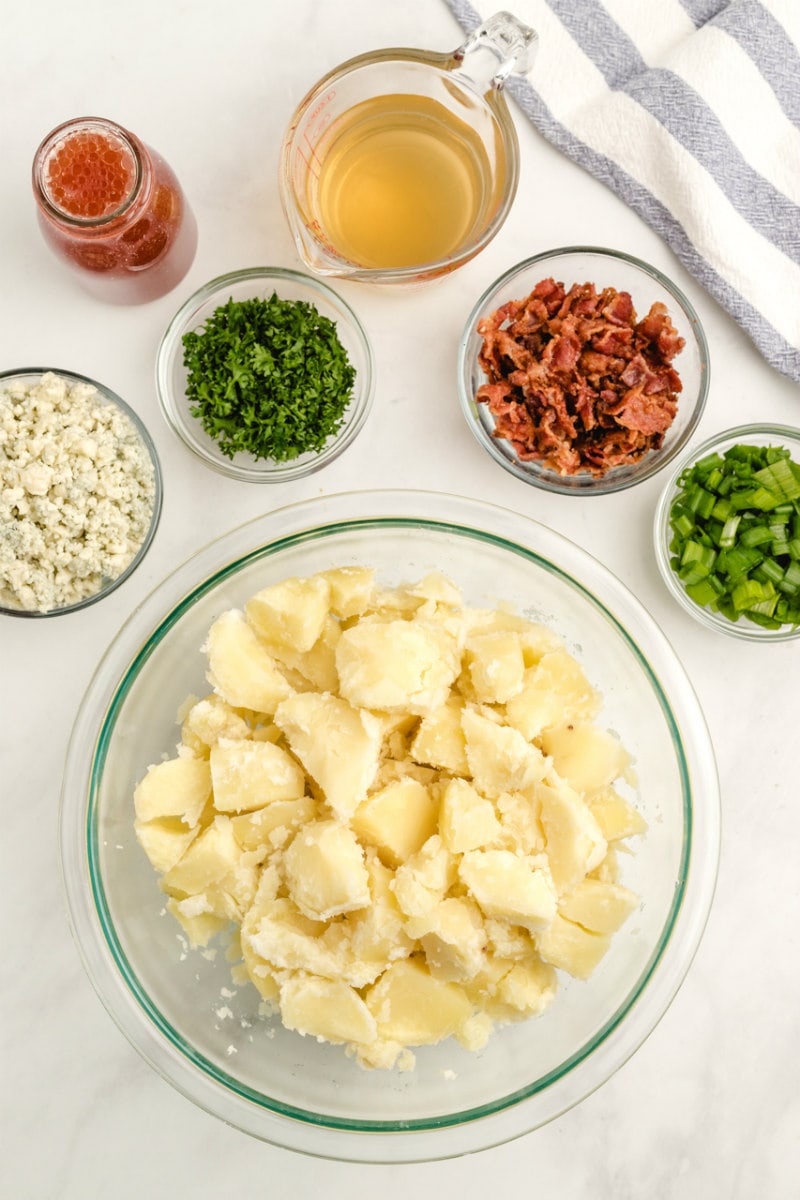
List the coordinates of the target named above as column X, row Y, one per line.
column 90, row 174
column 113, row 209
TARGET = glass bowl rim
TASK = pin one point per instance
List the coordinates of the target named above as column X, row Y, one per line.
column 551, row 482
column 745, row 632
column 355, row 415
column 141, row 429
column 703, row 877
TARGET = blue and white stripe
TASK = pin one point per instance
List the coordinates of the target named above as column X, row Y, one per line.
column 690, row 111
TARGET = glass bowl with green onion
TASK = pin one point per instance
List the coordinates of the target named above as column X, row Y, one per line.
column 265, row 374
column 727, row 532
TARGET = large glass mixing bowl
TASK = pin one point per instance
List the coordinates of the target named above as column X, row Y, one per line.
column 176, row 1006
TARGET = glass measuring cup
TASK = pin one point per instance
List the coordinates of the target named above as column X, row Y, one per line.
column 400, row 165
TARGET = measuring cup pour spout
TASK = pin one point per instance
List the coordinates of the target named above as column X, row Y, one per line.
column 500, row 47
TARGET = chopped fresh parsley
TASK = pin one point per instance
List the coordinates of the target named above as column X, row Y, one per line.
column 268, row 378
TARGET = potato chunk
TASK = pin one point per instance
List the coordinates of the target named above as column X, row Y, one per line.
column 413, row 1008
column 212, row 855
column 292, row 612
column 571, row 947
column 616, row 817
column 179, row 787
column 496, row 666
column 573, row 840
column 272, row 825
column 439, row 740
column 209, row 720
column 509, row 886
column 397, row 820
column 351, row 590
column 337, row 744
column 467, row 820
column 500, row 760
column 585, row 755
column 249, row 775
column 453, row 938
column 326, row 1009
column 599, row 906
column 164, row 840
column 325, row 871
column 395, row 666
column 240, row 669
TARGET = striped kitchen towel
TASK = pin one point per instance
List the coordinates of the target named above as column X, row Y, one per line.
column 690, row 111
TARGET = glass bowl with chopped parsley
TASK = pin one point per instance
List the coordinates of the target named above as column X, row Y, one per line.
column 727, row 532
column 265, row 374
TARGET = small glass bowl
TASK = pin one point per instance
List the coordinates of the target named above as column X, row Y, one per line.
column 30, row 375
column 750, row 435
column 249, row 1070
column 261, row 282
column 604, row 268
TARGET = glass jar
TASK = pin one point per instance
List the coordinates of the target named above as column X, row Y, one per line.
column 112, row 209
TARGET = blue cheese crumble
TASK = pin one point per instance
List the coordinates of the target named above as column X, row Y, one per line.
column 77, row 490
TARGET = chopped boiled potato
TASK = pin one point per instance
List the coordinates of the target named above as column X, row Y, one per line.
column 599, row 906
column 453, row 938
column 571, row 947
column 399, row 807
column 327, row 1009
column 500, row 759
column 496, row 666
column 209, row 720
column 422, row 882
column 337, row 744
column 211, row 857
column 573, row 841
column 351, row 590
column 557, row 671
column 199, row 927
column 520, row 821
column 509, row 886
column 398, row 819
column 467, row 820
column 396, row 665
column 586, row 756
column 439, row 740
column 413, row 1008
column 292, row 612
column 240, row 668
column 178, row 787
column 272, row 825
column 377, row 932
column 314, row 668
column 534, row 708
column 249, row 775
column 164, row 840
column 325, row 870
column 616, row 817
column 528, row 988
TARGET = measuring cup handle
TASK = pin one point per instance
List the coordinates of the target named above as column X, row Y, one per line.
column 500, row 47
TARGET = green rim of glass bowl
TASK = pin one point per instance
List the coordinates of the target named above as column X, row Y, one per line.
column 108, row 397
column 186, row 426
column 755, row 434
column 704, row 875
column 618, row 478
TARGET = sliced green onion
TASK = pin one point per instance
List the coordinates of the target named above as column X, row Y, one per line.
column 735, row 534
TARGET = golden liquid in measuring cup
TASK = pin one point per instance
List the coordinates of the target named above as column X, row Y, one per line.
column 403, row 182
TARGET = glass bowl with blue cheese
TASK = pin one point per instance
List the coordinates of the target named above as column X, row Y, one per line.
column 389, row 826
column 80, row 492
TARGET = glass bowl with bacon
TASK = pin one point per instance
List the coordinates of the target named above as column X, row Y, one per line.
column 583, row 370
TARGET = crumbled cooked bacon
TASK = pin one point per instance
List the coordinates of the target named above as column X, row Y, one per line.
column 575, row 381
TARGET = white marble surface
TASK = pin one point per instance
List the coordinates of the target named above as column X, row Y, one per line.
column 709, row 1106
